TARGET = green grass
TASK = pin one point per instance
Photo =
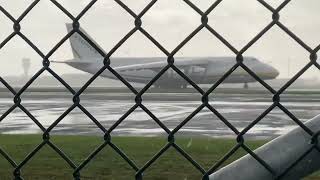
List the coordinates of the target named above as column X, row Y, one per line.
column 109, row 165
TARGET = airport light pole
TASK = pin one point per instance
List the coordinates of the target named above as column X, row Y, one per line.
column 289, row 66
column 26, row 66
column 280, row 153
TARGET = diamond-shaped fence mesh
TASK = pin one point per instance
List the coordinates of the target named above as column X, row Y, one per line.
column 138, row 22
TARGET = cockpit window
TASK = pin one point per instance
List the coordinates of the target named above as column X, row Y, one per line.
column 250, row 60
column 253, row 59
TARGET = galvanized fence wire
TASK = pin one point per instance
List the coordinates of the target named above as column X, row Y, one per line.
column 107, row 140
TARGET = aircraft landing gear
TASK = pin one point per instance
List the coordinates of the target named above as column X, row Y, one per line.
column 245, row 86
column 170, row 86
column 184, row 86
column 156, row 86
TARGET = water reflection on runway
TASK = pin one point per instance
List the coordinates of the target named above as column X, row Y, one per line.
column 239, row 110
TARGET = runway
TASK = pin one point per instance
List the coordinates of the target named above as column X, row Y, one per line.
column 170, row 108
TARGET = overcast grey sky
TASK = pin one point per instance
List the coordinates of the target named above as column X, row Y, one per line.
column 169, row 21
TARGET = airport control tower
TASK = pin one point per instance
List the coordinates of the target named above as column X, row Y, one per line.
column 26, row 66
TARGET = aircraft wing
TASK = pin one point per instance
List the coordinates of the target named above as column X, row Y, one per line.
column 157, row 66
column 73, row 62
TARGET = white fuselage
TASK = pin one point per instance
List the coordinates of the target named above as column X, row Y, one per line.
column 201, row 70
column 211, row 69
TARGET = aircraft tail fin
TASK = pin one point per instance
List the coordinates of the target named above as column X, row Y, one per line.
column 80, row 47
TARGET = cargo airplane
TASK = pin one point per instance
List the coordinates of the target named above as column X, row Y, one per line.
column 202, row 70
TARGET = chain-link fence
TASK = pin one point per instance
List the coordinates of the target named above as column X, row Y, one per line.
column 203, row 24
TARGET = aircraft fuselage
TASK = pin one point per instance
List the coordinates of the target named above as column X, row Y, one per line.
column 200, row 70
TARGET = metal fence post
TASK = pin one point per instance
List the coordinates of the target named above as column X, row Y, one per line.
column 279, row 154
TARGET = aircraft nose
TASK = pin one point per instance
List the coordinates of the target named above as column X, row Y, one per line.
column 271, row 72
column 268, row 72
column 274, row 72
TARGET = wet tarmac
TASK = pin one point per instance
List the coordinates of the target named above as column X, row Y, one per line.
column 239, row 109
